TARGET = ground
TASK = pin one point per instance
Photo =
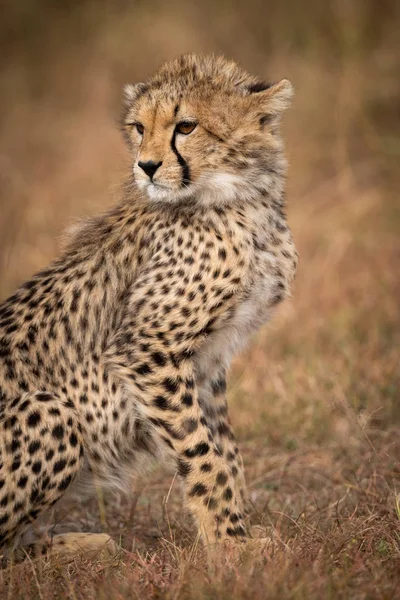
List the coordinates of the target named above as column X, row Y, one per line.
column 315, row 398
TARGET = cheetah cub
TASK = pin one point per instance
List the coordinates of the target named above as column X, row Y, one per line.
column 117, row 353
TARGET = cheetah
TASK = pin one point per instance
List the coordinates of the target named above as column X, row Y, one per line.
column 117, row 354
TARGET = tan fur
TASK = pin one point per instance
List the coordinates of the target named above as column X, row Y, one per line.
column 117, row 353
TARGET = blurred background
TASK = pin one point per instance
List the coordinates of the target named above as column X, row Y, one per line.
column 315, row 399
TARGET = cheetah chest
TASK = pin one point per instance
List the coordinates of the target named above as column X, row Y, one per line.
column 249, row 315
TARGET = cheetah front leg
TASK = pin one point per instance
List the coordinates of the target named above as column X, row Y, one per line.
column 213, row 400
column 154, row 352
column 168, row 398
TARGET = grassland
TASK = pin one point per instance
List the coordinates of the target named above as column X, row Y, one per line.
column 315, row 398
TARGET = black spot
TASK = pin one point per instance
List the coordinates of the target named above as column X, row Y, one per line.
column 190, row 425
column 222, row 253
column 161, row 403
column 224, row 430
column 9, row 423
column 235, row 517
column 222, row 478
column 83, row 399
column 189, row 383
column 219, row 386
column 18, row 506
column 143, row 369
column 33, row 447
column 15, row 465
column 207, row 329
column 34, row 495
column 15, row 445
column 184, row 468
column 73, row 440
column 187, row 399
column 206, row 467
column 198, row 490
column 49, row 455
column 33, row 419
column 200, row 449
column 58, row 432
column 37, row 467
column 44, row 396
column 228, row 494
column 32, row 333
column 168, row 442
column 59, row 466
column 170, row 385
column 65, row 483
column 22, row 481
column 235, row 532
column 211, row 503
column 159, row 358
column 4, row 519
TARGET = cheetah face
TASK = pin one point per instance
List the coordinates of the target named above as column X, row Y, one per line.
column 202, row 129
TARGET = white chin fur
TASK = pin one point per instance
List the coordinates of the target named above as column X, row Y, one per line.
column 211, row 190
column 162, row 194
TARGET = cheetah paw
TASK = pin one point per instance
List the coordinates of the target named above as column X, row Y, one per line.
column 243, row 549
column 68, row 546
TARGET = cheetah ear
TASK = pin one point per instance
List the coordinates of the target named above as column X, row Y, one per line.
column 272, row 98
column 132, row 92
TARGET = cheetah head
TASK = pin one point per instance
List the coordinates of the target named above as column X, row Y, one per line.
column 203, row 129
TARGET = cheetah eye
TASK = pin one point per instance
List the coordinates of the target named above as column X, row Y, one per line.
column 186, row 127
column 139, row 128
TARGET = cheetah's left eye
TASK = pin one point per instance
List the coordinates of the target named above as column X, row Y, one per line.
column 186, row 127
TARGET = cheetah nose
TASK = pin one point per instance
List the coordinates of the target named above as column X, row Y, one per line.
column 150, row 167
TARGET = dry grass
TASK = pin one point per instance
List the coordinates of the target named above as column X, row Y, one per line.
column 315, row 400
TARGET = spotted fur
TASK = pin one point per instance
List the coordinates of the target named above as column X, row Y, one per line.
column 117, row 353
